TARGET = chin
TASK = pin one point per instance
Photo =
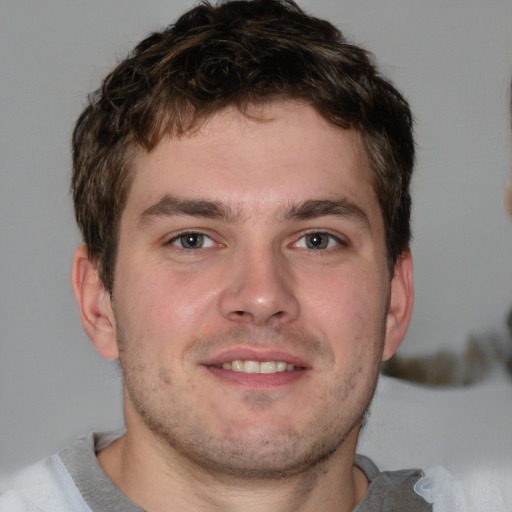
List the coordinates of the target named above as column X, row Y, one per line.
column 260, row 454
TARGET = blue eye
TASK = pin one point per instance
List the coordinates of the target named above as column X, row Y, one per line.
column 192, row 241
column 317, row 241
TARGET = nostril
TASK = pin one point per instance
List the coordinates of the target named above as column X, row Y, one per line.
column 239, row 316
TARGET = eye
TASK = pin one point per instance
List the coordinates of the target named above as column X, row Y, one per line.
column 317, row 241
column 192, row 240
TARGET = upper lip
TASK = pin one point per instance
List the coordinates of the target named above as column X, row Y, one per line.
column 251, row 354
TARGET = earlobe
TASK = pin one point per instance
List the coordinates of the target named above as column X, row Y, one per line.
column 94, row 305
column 400, row 304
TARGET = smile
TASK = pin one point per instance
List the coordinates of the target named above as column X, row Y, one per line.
column 249, row 366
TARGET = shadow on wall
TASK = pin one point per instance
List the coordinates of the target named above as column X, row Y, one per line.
column 482, row 356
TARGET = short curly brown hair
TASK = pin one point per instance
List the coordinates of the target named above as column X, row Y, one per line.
column 237, row 53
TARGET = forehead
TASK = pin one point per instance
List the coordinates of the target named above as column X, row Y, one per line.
column 277, row 152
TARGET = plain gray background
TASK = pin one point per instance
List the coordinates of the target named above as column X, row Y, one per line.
column 451, row 59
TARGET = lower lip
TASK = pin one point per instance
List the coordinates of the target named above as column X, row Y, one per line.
column 258, row 380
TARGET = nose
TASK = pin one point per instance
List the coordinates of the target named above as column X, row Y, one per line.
column 260, row 290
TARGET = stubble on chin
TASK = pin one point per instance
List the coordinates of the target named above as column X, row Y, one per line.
column 263, row 453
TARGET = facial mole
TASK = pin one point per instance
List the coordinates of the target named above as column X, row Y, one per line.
column 164, row 376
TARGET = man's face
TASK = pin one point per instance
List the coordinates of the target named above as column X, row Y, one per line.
column 252, row 246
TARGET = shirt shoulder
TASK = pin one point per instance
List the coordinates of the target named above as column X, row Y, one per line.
column 414, row 490
column 392, row 491
column 42, row 487
column 71, row 481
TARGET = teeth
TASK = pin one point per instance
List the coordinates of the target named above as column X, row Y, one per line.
column 237, row 366
column 268, row 367
column 281, row 367
column 251, row 367
column 257, row 367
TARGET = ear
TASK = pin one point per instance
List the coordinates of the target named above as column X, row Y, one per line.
column 401, row 301
column 94, row 304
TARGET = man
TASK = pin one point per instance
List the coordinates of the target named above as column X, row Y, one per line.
column 241, row 184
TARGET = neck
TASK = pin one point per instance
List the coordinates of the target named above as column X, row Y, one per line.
column 156, row 477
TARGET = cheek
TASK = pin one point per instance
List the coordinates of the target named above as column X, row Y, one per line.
column 349, row 308
column 158, row 302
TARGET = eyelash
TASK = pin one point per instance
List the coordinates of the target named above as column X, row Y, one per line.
column 332, row 238
column 183, row 234
column 211, row 242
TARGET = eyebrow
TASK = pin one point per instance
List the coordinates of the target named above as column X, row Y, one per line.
column 171, row 206
column 314, row 208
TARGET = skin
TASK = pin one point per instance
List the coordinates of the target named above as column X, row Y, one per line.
column 261, row 191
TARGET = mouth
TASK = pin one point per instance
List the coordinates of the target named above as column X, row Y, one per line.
column 249, row 366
